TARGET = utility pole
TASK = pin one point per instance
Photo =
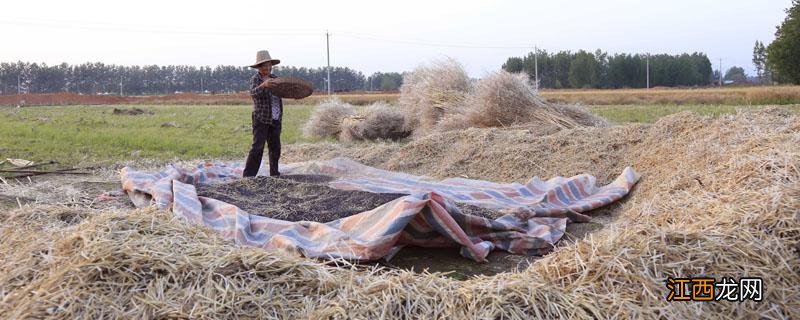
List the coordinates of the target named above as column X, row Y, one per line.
column 19, row 90
column 648, row 71
column 120, row 85
column 536, row 65
column 201, row 84
column 328, row 46
column 720, row 72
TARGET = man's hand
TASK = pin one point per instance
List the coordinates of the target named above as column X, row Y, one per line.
column 268, row 83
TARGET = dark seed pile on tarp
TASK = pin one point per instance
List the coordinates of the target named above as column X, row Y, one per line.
column 305, row 198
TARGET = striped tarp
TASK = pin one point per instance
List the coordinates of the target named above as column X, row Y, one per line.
column 537, row 212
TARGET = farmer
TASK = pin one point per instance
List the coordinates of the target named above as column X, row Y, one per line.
column 267, row 115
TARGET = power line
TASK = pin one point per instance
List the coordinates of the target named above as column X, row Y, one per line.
column 364, row 36
column 100, row 26
column 156, row 29
column 107, row 24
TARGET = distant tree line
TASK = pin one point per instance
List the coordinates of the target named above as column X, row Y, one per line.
column 583, row 69
column 94, row 78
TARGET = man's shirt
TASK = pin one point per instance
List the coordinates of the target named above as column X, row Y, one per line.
column 266, row 106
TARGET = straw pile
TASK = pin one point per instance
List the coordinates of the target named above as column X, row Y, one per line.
column 502, row 99
column 432, row 91
column 441, row 97
column 377, row 121
column 326, row 119
column 719, row 198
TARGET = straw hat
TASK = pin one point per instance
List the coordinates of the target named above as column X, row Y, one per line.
column 263, row 56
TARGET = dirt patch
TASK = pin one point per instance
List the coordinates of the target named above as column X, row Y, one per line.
column 304, row 198
column 131, row 112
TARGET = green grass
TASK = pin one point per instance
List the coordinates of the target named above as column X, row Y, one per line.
column 87, row 134
column 650, row 113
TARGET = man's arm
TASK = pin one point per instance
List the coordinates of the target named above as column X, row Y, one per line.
column 256, row 87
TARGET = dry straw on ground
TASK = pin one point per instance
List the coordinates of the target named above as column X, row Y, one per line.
column 378, row 121
column 502, row 99
column 718, row 197
column 432, row 91
column 326, row 119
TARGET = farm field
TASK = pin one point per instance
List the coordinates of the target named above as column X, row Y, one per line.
column 761, row 95
column 81, row 134
column 708, row 185
column 732, row 96
column 715, row 177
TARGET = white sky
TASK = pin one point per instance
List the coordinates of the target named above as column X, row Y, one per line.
column 374, row 36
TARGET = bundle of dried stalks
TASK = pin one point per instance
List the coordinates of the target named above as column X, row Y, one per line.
column 431, row 91
column 581, row 115
column 718, row 198
column 350, row 128
column 326, row 119
column 377, row 121
column 504, row 99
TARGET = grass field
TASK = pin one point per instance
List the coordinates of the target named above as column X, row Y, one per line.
column 87, row 134
column 92, row 133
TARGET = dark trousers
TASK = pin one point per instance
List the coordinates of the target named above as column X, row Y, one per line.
column 271, row 135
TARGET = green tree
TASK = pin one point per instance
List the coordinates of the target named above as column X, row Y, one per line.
column 703, row 66
column 584, row 71
column 736, row 74
column 760, row 60
column 602, row 68
column 784, row 53
column 514, row 65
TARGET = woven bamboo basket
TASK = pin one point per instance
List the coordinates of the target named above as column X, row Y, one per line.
column 292, row 88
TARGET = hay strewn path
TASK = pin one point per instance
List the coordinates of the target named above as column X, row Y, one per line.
column 719, row 198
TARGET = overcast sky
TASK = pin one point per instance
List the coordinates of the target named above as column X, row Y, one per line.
column 373, row 35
